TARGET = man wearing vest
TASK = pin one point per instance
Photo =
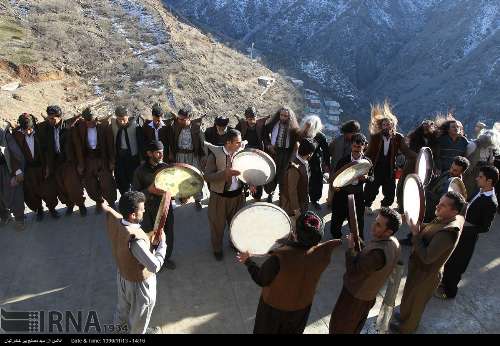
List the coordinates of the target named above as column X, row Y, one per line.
column 56, row 138
column 289, row 277
column 340, row 207
column 127, row 136
column 295, row 194
column 136, row 262
column 37, row 187
column 366, row 273
column 480, row 215
column 252, row 131
column 95, row 153
column 226, row 190
column 433, row 244
column 156, row 129
column 144, row 177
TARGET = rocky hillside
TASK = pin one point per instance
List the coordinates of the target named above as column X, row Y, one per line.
column 82, row 52
column 424, row 55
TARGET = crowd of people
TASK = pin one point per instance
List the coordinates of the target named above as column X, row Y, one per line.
column 56, row 159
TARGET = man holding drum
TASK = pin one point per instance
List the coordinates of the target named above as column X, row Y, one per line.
column 289, row 278
column 226, row 190
column 366, row 273
column 143, row 181
column 433, row 243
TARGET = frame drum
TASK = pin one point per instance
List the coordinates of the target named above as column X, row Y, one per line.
column 257, row 168
column 424, row 165
column 350, row 172
column 257, row 227
column 180, row 180
column 353, row 221
column 457, row 185
column 413, row 199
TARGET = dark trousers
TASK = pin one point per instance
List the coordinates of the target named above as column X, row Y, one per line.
column 458, row 262
column 350, row 314
column 340, row 212
column 124, row 171
column 383, row 178
column 269, row 320
column 282, row 159
column 315, row 184
column 148, row 223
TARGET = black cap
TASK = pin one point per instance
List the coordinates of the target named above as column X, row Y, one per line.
column 309, row 229
column 157, row 111
column 221, row 120
column 154, row 146
column 121, row 111
column 54, row 110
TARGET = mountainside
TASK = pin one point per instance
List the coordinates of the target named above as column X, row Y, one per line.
column 82, row 52
column 424, row 55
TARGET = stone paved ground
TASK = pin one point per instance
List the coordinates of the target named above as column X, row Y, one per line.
column 66, row 264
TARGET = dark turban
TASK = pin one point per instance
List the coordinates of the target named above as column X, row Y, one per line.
column 221, row 121
column 154, row 146
column 309, row 229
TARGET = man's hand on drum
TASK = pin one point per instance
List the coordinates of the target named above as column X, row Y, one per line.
column 253, row 189
column 157, row 240
column 271, row 149
column 229, row 172
column 414, row 228
column 242, row 257
column 154, row 190
column 350, row 241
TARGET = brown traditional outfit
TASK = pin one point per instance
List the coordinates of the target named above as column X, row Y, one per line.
column 366, row 273
column 95, row 152
column 431, row 249
column 295, row 194
column 226, row 195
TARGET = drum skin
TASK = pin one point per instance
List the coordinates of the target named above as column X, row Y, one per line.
column 350, row 172
column 413, row 199
column 424, row 165
column 257, row 168
column 181, row 180
column 257, row 227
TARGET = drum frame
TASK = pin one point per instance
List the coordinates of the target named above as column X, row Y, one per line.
column 353, row 221
column 253, row 205
column 430, row 169
column 345, row 167
column 461, row 183
column 421, row 190
column 182, row 165
column 266, row 156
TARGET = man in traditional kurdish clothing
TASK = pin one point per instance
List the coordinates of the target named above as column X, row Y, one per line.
column 157, row 129
column 216, row 134
column 253, row 132
column 366, row 273
column 136, row 262
column 433, row 244
column 128, row 140
column 383, row 148
column 226, row 190
column 480, row 214
column 56, row 138
column 186, row 145
column 289, row 277
column 295, row 194
column 11, row 180
column 341, row 147
column 143, row 181
column 95, row 152
column 37, row 187
column 340, row 208
column 282, row 135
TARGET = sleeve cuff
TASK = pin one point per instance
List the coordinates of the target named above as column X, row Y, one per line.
column 19, row 172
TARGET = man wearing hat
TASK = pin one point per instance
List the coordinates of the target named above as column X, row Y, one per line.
column 295, row 195
column 366, row 273
column 156, row 129
column 289, row 277
column 57, row 142
column 127, row 136
column 216, row 134
column 95, row 153
column 144, row 181
column 252, row 131
column 186, row 144
column 37, row 187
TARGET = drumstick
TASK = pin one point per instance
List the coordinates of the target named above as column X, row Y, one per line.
column 165, row 201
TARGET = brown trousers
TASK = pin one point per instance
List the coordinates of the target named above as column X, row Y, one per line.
column 221, row 211
column 350, row 314
column 68, row 183
column 99, row 181
column 419, row 288
column 38, row 189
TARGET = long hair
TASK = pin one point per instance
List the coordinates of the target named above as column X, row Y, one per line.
column 489, row 138
column 379, row 113
column 416, row 137
column 443, row 122
column 315, row 126
column 293, row 123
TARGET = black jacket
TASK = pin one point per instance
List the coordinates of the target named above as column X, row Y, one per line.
column 481, row 214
